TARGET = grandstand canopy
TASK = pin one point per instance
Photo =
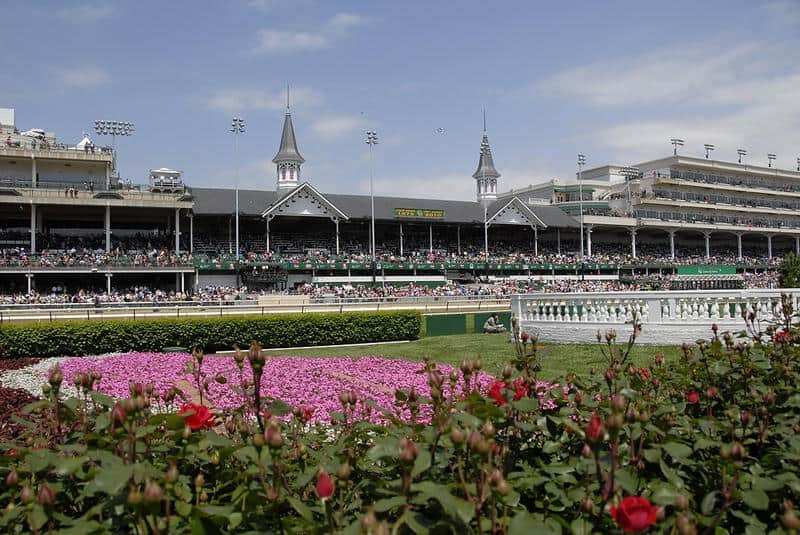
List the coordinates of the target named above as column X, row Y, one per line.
column 253, row 203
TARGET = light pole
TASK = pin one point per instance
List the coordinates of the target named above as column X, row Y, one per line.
column 798, row 164
column 708, row 148
column 581, row 163
column 114, row 129
column 372, row 140
column 237, row 127
column 675, row 144
column 742, row 153
column 771, row 157
column 484, row 200
column 629, row 173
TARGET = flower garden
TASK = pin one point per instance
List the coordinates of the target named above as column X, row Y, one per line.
column 145, row 442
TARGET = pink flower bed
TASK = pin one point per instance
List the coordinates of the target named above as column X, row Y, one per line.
column 298, row 381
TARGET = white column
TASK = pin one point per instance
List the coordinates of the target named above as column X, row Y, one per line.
column 558, row 241
column 108, row 176
column 401, row 239
column 430, row 236
column 34, row 182
column 672, row 244
column 177, row 230
column 183, row 282
column 268, row 248
column 33, row 228
column 108, row 283
column 588, row 240
column 708, row 244
column 739, row 244
column 191, row 233
column 337, row 234
column 535, row 241
column 30, row 282
column 633, row 242
column 769, row 246
column 107, row 226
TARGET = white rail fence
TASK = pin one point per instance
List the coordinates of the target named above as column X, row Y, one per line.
column 666, row 317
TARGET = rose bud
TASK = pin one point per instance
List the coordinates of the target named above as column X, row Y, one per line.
column 26, row 495
column 199, row 481
column 273, row 437
column 324, row 485
column 738, row 452
column 368, row 522
column 595, row 431
column 344, row 471
column 587, row 451
column 618, row 403
column 45, row 496
column 790, row 520
column 473, row 440
column 408, row 451
column 502, row 487
column 118, row 415
column 488, row 429
column 587, row 505
column 508, row 370
column 172, row 474
column 711, row 392
column 457, row 436
column 258, row 440
column 681, row 502
column 153, row 492
column 55, row 377
column 134, row 497
column 12, row 479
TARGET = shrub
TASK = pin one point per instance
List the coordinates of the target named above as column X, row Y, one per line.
column 790, row 271
column 212, row 334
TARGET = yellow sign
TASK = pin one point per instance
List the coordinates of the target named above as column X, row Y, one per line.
column 418, row 213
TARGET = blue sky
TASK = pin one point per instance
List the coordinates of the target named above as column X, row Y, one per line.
column 614, row 80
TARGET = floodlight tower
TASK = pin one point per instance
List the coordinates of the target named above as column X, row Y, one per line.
column 709, row 147
column 741, row 153
column 114, row 129
column 237, row 127
column 372, row 140
column 629, row 173
column 581, row 163
column 798, row 164
column 675, row 144
column 771, row 157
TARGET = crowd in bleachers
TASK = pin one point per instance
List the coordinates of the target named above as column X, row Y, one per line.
column 133, row 294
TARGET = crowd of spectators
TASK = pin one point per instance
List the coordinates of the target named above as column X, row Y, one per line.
column 133, row 294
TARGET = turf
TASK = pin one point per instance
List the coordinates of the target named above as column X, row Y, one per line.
column 494, row 350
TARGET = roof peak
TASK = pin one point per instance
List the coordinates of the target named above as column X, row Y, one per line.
column 288, row 152
column 486, row 161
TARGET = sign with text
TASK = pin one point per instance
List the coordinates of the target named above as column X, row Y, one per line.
column 706, row 270
column 418, row 213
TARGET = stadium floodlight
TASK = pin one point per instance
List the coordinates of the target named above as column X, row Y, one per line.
column 114, row 129
column 237, row 127
column 798, row 164
column 771, row 157
column 372, row 140
column 581, row 163
column 709, row 147
column 675, row 144
column 741, row 153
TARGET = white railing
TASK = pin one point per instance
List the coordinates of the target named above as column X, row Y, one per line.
column 663, row 315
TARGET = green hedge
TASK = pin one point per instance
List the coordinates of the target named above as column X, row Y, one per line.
column 213, row 334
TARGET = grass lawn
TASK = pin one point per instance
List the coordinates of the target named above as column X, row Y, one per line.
column 495, row 351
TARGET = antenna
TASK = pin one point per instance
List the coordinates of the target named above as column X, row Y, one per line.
column 287, row 97
column 484, row 119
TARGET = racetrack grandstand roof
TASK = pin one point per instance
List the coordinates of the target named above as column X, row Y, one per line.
column 217, row 201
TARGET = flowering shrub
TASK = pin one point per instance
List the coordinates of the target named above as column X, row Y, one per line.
column 617, row 450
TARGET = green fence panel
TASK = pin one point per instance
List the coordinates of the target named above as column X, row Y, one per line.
column 445, row 324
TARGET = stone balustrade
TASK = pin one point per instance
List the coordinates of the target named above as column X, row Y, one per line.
column 666, row 317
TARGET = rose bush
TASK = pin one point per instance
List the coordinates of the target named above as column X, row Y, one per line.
column 709, row 443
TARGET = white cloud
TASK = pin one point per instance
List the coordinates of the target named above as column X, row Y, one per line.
column 708, row 92
column 85, row 13
column 334, row 126
column 785, row 11
column 239, row 100
column 84, row 77
column 269, row 40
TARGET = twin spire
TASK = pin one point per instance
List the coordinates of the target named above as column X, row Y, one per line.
column 486, row 175
column 288, row 161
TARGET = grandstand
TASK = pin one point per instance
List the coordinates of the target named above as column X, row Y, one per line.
column 70, row 221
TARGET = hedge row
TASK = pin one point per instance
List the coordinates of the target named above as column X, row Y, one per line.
column 212, row 334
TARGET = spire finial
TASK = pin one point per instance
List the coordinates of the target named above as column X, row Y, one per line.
column 484, row 120
column 287, row 98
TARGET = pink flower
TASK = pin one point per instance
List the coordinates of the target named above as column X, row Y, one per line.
column 692, row 397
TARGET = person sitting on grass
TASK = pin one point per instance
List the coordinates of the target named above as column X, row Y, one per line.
column 492, row 326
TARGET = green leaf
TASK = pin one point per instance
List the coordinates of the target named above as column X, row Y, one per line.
column 422, row 462
column 301, row 508
column 389, row 503
column 756, row 499
column 454, row 506
column 525, row 523
column 112, row 479
column 707, row 505
column 279, row 408
column 580, row 526
column 677, row 451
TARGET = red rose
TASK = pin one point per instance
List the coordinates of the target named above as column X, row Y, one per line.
column 644, row 373
column 324, row 485
column 782, row 336
column 634, row 514
column 496, row 392
column 693, row 397
column 595, row 430
column 200, row 417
